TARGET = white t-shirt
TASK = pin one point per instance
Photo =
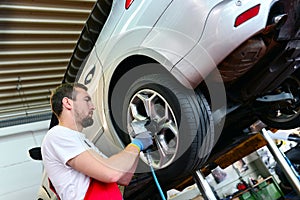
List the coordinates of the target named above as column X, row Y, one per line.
column 59, row 146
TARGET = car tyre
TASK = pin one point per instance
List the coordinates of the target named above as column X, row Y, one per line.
column 186, row 134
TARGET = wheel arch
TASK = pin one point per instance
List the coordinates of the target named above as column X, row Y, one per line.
column 128, row 64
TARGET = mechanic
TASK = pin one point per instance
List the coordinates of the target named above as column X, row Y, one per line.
column 74, row 165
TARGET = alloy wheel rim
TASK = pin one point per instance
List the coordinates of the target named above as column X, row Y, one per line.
column 149, row 106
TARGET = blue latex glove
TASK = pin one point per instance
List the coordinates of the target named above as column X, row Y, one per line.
column 143, row 140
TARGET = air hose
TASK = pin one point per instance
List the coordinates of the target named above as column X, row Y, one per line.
column 154, row 175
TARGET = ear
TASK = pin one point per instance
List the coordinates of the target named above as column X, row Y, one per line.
column 67, row 103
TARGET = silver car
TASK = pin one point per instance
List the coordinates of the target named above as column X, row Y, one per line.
column 194, row 73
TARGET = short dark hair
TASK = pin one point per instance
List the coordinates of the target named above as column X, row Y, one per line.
column 62, row 91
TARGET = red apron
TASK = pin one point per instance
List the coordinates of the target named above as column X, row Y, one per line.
column 98, row 191
column 103, row 191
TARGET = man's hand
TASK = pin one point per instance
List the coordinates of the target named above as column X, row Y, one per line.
column 143, row 140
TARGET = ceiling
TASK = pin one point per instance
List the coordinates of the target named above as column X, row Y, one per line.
column 37, row 39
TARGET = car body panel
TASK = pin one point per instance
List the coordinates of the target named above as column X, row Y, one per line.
column 217, row 43
column 127, row 32
column 166, row 33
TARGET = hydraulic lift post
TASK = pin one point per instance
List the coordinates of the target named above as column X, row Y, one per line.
column 203, row 186
column 281, row 161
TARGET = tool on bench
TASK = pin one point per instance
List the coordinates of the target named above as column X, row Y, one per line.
column 140, row 127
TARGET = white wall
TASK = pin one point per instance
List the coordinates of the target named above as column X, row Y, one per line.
column 20, row 176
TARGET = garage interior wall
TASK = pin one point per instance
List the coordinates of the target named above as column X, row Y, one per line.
column 20, row 176
column 37, row 39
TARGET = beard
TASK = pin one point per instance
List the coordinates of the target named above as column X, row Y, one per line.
column 87, row 121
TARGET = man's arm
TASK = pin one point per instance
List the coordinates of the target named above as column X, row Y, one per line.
column 126, row 178
column 117, row 168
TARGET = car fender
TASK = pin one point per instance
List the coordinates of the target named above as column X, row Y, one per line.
column 179, row 28
column 128, row 28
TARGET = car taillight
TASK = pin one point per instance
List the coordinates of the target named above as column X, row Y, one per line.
column 128, row 3
column 248, row 14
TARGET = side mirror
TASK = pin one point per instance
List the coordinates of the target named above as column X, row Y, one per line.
column 35, row 153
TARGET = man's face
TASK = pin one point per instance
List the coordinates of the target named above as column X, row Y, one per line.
column 83, row 108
